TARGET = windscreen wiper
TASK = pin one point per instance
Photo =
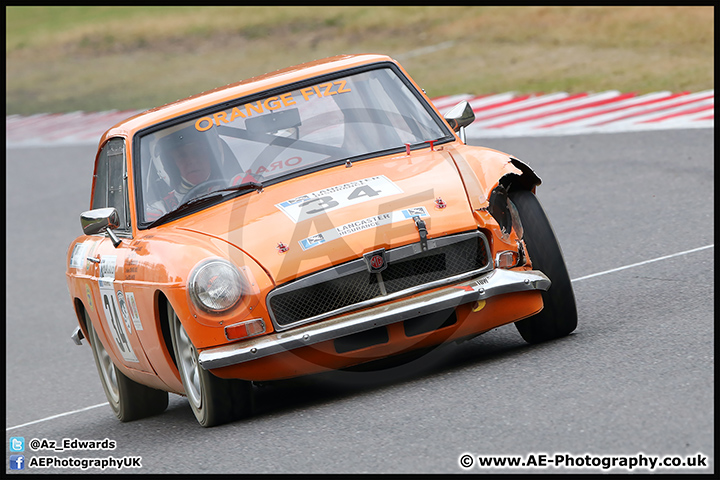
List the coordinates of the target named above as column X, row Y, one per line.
column 241, row 188
column 207, row 199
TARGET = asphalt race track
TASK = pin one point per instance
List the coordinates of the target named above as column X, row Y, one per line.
column 635, row 380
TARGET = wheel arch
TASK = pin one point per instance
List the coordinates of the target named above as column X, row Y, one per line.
column 162, row 307
column 83, row 316
column 526, row 180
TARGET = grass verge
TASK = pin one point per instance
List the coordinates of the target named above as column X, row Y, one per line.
column 62, row 59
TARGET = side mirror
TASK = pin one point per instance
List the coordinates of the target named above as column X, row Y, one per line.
column 101, row 220
column 459, row 117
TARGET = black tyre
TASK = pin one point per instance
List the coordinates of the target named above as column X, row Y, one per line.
column 213, row 400
column 129, row 400
column 559, row 314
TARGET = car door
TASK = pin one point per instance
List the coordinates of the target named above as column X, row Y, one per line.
column 114, row 311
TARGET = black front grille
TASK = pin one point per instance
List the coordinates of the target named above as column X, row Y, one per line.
column 435, row 264
column 307, row 302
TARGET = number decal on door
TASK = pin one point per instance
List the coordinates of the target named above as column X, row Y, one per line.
column 117, row 328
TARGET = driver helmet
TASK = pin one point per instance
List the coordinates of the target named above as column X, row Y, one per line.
column 187, row 144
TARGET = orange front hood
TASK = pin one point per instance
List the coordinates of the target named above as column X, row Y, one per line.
column 309, row 223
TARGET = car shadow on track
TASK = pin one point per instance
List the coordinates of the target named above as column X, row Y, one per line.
column 305, row 393
column 284, row 396
column 498, row 345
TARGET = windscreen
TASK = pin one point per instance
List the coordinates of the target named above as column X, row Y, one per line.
column 282, row 135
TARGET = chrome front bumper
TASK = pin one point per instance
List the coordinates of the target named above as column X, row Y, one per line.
column 496, row 282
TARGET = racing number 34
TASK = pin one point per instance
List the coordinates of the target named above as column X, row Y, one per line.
column 327, row 202
column 338, row 196
column 112, row 316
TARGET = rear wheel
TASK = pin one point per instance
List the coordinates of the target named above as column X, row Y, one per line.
column 129, row 400
column 559, row 314
column 213, row 400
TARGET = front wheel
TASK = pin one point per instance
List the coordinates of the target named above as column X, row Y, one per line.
column 129, row 400
column 559, row 314
column 213, row 400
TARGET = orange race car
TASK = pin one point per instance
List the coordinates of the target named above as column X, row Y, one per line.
column 314, row 218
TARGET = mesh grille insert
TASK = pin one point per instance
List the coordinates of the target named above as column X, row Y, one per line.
column 435, row 264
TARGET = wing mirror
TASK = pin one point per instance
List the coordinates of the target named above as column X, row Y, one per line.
column 101, row 220
column 459, row 117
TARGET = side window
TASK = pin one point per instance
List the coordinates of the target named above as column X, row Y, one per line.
column 111, row 180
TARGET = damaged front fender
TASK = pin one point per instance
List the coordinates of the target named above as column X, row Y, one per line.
column 483, row 169
column 528, row 179
column 488, row 176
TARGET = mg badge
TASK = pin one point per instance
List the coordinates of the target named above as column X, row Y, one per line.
column 375, row 261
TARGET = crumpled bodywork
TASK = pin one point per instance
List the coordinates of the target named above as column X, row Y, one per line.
column 482, row 169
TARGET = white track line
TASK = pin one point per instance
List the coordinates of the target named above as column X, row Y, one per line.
column 57, row 416
column 573, row 280
column 643, row 263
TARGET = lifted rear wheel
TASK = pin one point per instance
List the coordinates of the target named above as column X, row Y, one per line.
column 559, row 314
column 213, row 400
column 129, row 400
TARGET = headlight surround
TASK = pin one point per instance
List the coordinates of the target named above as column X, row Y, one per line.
column 215, row 285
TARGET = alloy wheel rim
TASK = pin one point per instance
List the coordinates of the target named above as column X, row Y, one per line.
column 107, row 368
column 190, row 366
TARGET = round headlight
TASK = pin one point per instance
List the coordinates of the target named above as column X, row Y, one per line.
column 215, row 285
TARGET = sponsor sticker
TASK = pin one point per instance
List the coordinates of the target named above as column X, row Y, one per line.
column 272, row 104
column 132, row 307
column 361, row 225
column 77, row 260
column 124, row 310
column 107, row 270
column 89, row 297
